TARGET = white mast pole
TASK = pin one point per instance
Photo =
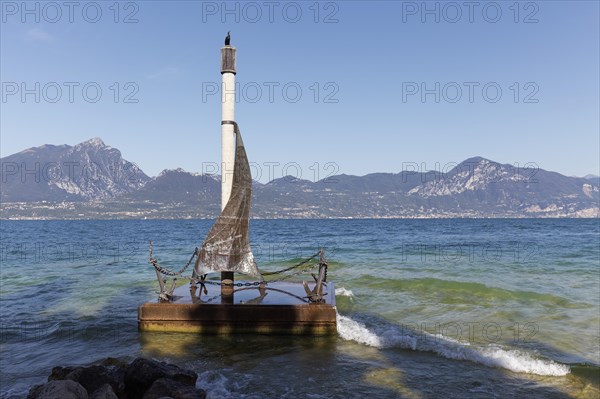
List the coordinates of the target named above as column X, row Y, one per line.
column 228, row 72
column 228, row 116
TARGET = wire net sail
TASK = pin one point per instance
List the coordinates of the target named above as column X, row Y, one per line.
column 226, row 248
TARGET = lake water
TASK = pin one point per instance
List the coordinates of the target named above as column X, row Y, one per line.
column 427, row 308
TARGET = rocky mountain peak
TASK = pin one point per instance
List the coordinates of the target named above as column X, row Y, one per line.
column 94, row 142
column 90, row 170
column 166, row 172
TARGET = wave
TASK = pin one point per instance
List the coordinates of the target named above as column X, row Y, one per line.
column 341, row 291
column 215, row 384
column 391, row 336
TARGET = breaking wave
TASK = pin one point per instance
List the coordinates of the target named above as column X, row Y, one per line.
column 391, row 336
column 344, row 292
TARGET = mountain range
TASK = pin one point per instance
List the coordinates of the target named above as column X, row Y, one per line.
column 92, row 180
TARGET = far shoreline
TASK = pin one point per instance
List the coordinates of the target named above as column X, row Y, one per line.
column 29, row 219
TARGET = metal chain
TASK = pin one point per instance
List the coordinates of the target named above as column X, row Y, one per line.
column 168, row 272
column 248, row 284
column 176, row 275
column 293, row 267
column 254, row 283
column 218, row 296
column 302, row 266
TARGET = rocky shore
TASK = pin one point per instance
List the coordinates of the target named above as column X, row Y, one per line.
column 113, row 379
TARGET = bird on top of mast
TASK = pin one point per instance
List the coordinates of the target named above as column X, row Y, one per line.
column 228, row 38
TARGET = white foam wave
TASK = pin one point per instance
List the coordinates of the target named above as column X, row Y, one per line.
column 215, row 384
column 341, row 291
column 391, row 336
column 522, row 362
column 351, row 330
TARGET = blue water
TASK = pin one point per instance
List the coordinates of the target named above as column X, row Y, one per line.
column 427, row 308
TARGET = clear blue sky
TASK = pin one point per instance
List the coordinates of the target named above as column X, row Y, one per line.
column 373, row 57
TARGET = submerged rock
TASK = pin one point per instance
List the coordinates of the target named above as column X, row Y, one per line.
column 92, row 377
column 63, row 389
column 142, row 373
column 104, row 392
column 164, row 387
column 113, row 379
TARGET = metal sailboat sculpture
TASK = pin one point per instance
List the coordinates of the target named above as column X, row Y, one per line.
column 264, row 306
column 290, row 306
column 226, row 247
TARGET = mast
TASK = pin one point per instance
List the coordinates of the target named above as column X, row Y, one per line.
column 228, row 53
column 226, row 248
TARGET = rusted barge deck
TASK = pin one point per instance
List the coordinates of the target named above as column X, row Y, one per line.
column 275, row 308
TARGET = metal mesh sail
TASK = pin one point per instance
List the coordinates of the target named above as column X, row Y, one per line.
column 226, row 248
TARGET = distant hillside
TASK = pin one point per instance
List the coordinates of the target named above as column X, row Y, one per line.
column 88, row 171
column 92, row 180
column 593, row 179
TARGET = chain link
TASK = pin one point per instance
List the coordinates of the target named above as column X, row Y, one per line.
column 171, row 273
column 303, row 267
column 218, row 296
column 168, row 272
column 292, row 267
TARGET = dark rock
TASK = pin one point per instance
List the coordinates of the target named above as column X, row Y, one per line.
column 92, row 377
column 104, row 392
column 142, row 373
column 63, row 389
column 34, row 391
column 164, row 387
column 60, row 373
column 113, row 361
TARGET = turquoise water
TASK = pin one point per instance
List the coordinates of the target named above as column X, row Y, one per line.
column 427, row 308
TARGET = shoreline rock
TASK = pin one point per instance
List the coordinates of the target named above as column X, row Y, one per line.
column 112, row 379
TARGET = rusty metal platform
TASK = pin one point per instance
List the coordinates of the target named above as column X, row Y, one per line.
column 278, row 308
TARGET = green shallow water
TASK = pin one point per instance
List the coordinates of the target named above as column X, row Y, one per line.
column 464, row 292
column 427, row 308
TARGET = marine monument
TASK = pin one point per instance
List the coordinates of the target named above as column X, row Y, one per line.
column 270, row 303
